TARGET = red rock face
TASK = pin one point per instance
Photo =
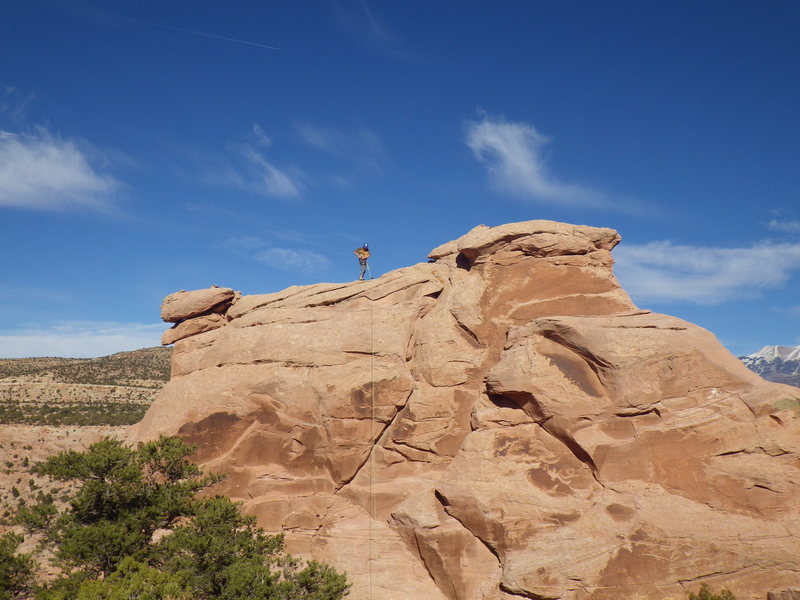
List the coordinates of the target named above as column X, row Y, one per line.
column 499, row 423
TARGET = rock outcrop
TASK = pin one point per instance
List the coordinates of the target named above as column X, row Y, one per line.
column 499, row 423
column 787, row 594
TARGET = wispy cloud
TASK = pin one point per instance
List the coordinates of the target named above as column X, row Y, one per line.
column 218, row 212
column 784, row 226
column 79, row 339
column 41, row 171
column 261, row 250
column 512, row 153
column 674, row 272
column 244, row 244
column 14, row 292
column 290, row 259
column 248, row 168
column 264, row 177
column 361, row 146
column 14, row 103
column 791, row 311
column 358, row 19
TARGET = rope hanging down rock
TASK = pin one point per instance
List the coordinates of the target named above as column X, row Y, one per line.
column 371, row 434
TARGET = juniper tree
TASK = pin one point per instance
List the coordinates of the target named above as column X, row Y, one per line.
column 103, row 538
column 16, row 569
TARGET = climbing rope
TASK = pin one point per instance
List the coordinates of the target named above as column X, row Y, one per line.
column 371, row 434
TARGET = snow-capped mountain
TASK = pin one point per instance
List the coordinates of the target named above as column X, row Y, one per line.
column 776, row 363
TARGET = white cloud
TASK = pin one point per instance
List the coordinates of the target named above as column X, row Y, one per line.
column 218, row 212
column 673, row 272
column 14, row 104
column 361, row 146
column 79, row 339
column 249, row 169
column 359, row 20
column 243, row 243
column 260, row 138
column 779, row 212
column 513, row 155
column 246, row 164
column 291, row 259
column 784, row 226
column 304, row 261
column 44, row 172
column 266, row 178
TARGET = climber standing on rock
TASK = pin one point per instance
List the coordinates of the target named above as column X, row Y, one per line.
column 363, row 254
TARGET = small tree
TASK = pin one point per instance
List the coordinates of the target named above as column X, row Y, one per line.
column 133, row 579
column 122, row 497
column 104, row 541
column 15, row 569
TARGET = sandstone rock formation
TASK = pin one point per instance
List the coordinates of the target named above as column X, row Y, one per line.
column 184, row 305
column 499, row 423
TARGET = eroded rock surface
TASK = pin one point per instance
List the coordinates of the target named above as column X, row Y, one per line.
column 501, row 422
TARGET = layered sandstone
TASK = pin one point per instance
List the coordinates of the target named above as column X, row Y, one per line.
column 501, row 422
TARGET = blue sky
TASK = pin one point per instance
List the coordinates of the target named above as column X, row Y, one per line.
column 149, row 147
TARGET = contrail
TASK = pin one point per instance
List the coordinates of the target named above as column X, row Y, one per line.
column 97, row 13
column 203, row 34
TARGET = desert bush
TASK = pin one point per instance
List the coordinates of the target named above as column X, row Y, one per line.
column 103, row 539
column 77, row 413
column 705, row 593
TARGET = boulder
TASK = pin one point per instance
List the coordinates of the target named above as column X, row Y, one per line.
column 501, row 422
column 185, row 305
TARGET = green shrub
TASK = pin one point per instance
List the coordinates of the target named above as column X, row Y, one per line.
column 77, row 413
column 706, row 594
column 16, row 570
column 102, row 538
column 790, row 403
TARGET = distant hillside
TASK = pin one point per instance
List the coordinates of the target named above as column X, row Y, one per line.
column 111, row 390
column 52, row 404
column 780, row 364
column 122, row 368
